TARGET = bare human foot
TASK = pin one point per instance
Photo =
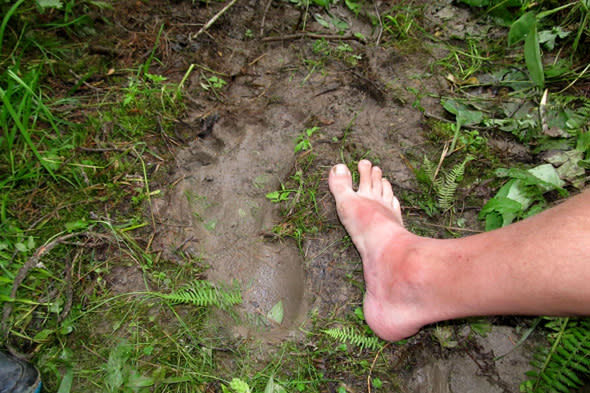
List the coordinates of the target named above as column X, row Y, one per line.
column 393, row 304
column 537, row 266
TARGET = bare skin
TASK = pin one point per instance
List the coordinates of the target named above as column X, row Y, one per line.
column 539, row 266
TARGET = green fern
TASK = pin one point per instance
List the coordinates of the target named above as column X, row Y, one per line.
column 445, row 185
column 561, row 367
column 349, row 335
column 429, row 170
column 203, row 293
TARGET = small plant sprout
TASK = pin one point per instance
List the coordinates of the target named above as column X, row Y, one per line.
column 213, row 83
column 279, row 195
column 303, row 141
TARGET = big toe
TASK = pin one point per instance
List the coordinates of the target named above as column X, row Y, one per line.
column 340, row 180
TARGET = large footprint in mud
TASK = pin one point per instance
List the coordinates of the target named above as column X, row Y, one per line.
column 218, row 209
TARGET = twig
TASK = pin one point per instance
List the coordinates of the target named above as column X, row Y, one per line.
column 380, row 23
column 214, row 19
column 315, row 36
column 576, row 79
column 24, row 270
column 329, row 90
column 147, row 188
column 69, row 290
column 30, row 264
column 80, row 80
column 184, row 243
column 99, row 149
column 373, row 366
column 451, row 228
column 440, row 162
column 264, row 17
column 250, row 64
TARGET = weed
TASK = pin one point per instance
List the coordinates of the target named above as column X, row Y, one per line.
column 202, row 293
column 521, row 196
column 303, row 141
column 349, row 335
column 403, row 22
column 298, row 195
column 563, row 365
column 300, row 211
column 443, row 183
column 464, row 63
column 445, row 336
column 213, row 83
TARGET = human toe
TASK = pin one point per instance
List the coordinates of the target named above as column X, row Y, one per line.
column 376, row 184
column 339, row 179
column 397, row 210
column 387, row 192
column 366, row 180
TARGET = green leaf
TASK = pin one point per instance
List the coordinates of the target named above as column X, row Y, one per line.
column 494, row 220
column 177, row 379
column 476, row 3
column 50, row 4
column 359, row 313
column 311, row 131
column 353, row 5
column 547, row 37
column 279, row 196
column 521, row 27
column 273, row 196
column 481, row 326
column 321, row 3
column 136, row 380
column 30, row 243
column 500, row 211
column 272, row 387
column 360, row 36
column 548, row 175
column 444, row 335
column 210, row 225
column 43, row 335
column 463, row 114
column 532, row 57
column 276, row 313
column 66, row 382
column 322, row 22
column 239, row 386
column 543, row 175
column 73, row 226
column 376, row 382
column 303, row 144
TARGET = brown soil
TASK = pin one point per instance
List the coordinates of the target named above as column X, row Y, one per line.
column 237, row 144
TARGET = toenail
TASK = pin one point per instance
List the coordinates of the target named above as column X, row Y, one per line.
column 340, row 169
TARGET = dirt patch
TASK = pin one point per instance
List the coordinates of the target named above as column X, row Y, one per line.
column 218, row 207
column 237, row 144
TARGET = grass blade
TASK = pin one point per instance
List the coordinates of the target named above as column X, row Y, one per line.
column 24, row 132
column 532, row 56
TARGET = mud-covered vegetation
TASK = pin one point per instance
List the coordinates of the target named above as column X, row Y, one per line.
column 165, row 218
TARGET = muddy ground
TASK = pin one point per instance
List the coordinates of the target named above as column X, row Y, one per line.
column 236, row 144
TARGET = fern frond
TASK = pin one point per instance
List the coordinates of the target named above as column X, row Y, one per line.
column 429, row 169
column 349, row 335
column 446, row 186
column 562, row 367
column 202, row 293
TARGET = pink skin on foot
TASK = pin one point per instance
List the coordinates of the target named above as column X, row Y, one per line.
column 393, row 304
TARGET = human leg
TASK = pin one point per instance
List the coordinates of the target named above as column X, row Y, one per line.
column 537, row 266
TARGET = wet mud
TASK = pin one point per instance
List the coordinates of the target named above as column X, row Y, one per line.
column 237, row 145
